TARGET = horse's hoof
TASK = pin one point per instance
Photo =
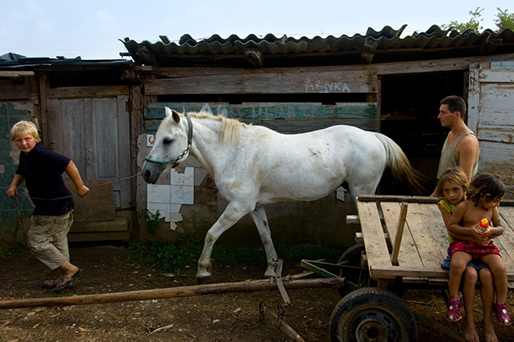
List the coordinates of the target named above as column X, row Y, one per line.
column 269, row 275
column 201, row 280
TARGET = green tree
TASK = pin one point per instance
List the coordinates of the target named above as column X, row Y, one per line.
column 472, row 24
column 505, row 20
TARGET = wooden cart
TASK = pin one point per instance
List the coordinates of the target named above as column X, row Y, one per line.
column 402, row 244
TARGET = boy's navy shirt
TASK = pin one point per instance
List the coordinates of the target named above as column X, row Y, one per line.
column 42, row 169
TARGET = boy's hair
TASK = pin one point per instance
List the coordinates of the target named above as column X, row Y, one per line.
column 486, row 186
column 455, row 104
column 452, row 175
column 25, row 127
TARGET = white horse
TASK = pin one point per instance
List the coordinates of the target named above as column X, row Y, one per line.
column 254, row 166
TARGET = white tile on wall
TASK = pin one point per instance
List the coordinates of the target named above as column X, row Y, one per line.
column 182, row 194
column 175, row 207
column 168, row 199
column 158, row 193
column 186, row 178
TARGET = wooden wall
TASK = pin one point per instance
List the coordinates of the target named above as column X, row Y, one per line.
column 338, row 79
column 491, row 116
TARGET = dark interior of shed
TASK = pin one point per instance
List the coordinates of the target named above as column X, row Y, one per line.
column 409, row 109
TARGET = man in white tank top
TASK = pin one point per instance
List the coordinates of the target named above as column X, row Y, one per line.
column 461, row 145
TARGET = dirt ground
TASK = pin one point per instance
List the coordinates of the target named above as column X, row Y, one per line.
column 220, row 317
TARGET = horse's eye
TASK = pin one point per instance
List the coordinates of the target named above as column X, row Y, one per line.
column 167, row 140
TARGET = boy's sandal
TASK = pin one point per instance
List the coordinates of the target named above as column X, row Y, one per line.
column 53, row 284
column 453, row 313
column 502, row 315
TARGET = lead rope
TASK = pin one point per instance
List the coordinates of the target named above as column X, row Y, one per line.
column 18, row 226
column 91, row 188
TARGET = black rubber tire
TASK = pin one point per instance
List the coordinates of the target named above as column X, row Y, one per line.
column 354, row 274
column 372, row 314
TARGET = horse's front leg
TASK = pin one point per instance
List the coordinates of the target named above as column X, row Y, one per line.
column 261, row 221
column 229, row 217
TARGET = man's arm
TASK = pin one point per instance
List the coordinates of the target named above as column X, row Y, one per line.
column 467, row 153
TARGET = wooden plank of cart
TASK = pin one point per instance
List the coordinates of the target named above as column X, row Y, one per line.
column 402, row 244
column 423, row 245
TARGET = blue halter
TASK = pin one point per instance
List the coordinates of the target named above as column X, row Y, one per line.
column 155, row 161
column 186, row 151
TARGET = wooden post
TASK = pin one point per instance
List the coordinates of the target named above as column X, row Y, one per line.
column 180, row 291
column 399, row 234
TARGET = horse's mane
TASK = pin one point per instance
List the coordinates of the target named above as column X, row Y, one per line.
column 230, row 128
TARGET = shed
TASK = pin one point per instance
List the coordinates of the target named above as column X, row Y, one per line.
column 379, row 81
column 82, row 110
column 102, row 113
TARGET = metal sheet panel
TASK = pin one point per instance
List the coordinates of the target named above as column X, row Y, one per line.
column 491, row 116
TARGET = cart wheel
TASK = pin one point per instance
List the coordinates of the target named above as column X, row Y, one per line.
column 372, row 314
column 356, row 275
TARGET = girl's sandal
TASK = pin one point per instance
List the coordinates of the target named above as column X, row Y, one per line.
column 453, row 313
column 502, row 315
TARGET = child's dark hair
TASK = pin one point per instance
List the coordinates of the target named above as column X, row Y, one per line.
column 485, row 186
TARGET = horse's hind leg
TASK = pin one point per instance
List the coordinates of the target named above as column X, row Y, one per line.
column 229, row 217
column 364, row 186
column 261, row 221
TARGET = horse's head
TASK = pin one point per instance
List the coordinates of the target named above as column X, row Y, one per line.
column 171, row 145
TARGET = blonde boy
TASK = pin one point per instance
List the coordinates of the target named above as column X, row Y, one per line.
column 42, row 169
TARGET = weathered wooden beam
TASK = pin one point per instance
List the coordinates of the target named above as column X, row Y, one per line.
column 172, row 292
column 7, row 73
column 267, row 81
column 394, row 198
column 79, row 92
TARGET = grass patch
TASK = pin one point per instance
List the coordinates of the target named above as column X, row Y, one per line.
column 174, row 257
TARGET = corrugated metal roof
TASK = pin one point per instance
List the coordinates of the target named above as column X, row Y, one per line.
column 382, row 46
column 15, row 61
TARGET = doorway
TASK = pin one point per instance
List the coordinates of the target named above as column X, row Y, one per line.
column 409, row 108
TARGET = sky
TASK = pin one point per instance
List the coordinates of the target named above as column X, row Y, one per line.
column 93, row 29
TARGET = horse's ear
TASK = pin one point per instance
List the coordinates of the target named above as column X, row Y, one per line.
column 172, row 113
column 176, row 116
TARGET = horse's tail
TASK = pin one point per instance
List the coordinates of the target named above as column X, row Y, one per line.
column 399, row 164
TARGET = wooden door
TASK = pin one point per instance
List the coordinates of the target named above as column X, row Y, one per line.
column 95, row 134
column 491, row 116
